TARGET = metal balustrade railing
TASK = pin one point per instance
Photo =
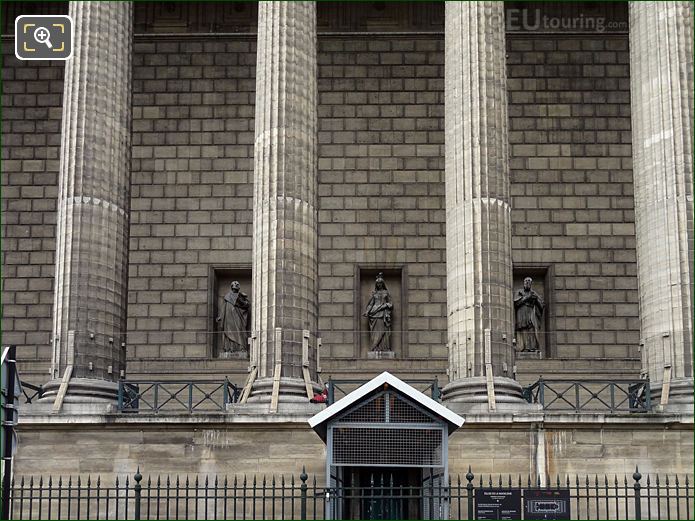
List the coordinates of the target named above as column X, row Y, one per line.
column 285, row 497
column 176, row 396
column 31, row 392
column 561, row 395
column 607, row 396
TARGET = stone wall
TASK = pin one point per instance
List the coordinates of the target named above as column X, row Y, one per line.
column 215, row 445
column 381, row 194
column 210, row 448
column 381, row 148
column 571, row 173
column 380, row 175
column 31, row 118
column 579, row 448
column 193, row 111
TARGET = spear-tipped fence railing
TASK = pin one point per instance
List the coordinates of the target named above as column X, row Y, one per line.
column 280, row 497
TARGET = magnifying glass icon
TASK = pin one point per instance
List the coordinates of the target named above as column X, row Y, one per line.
column 43, row 35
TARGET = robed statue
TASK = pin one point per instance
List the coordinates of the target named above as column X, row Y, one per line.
column 235, row 320
column 529, row 312
column 378, row 313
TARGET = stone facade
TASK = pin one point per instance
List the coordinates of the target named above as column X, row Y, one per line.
column 572, row 190
column 32, row 109
column 381, row 193
column 375, row 199
column 193, row 110
column 213, row 445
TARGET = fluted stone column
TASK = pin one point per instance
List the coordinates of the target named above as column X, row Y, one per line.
column 285, row 205
column 91, row 285
column 478, row 214
column 661, row 82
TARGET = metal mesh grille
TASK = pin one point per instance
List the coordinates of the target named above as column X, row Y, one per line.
column 370, row 412
column 400, row 411
column 403, row 412
column 367, row 446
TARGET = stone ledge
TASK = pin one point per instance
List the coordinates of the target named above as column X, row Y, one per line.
column 552, row 418
column 293, row 420
column 162, row 419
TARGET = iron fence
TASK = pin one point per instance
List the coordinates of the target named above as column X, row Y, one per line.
column 342, row 387
column 176, row 396
column 608, row 396
column 238, row 497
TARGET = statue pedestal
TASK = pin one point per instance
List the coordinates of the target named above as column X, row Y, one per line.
column 379, row 355
column 529, row 355
column 234, row 355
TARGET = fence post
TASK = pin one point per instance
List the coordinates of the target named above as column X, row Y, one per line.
column 331, row 392
column 469, row 491
column 638, row 503
column 138, row 493
column 303, row 487
column 225, row 391
column 120, row 394
column 8, row 425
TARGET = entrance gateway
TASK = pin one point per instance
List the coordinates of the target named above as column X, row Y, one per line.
column 386, row 452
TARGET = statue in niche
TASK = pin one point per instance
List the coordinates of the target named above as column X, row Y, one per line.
column 234, row 320
column 378, row 313
column 529, row 312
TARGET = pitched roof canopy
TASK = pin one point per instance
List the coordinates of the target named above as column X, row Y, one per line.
column 319, row 421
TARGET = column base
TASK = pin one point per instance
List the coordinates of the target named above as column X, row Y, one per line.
column 82, row 390
column 469, row 395
column 292, row 398
column 680, row 396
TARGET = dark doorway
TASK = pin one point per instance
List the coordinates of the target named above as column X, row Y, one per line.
column 382, row 493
